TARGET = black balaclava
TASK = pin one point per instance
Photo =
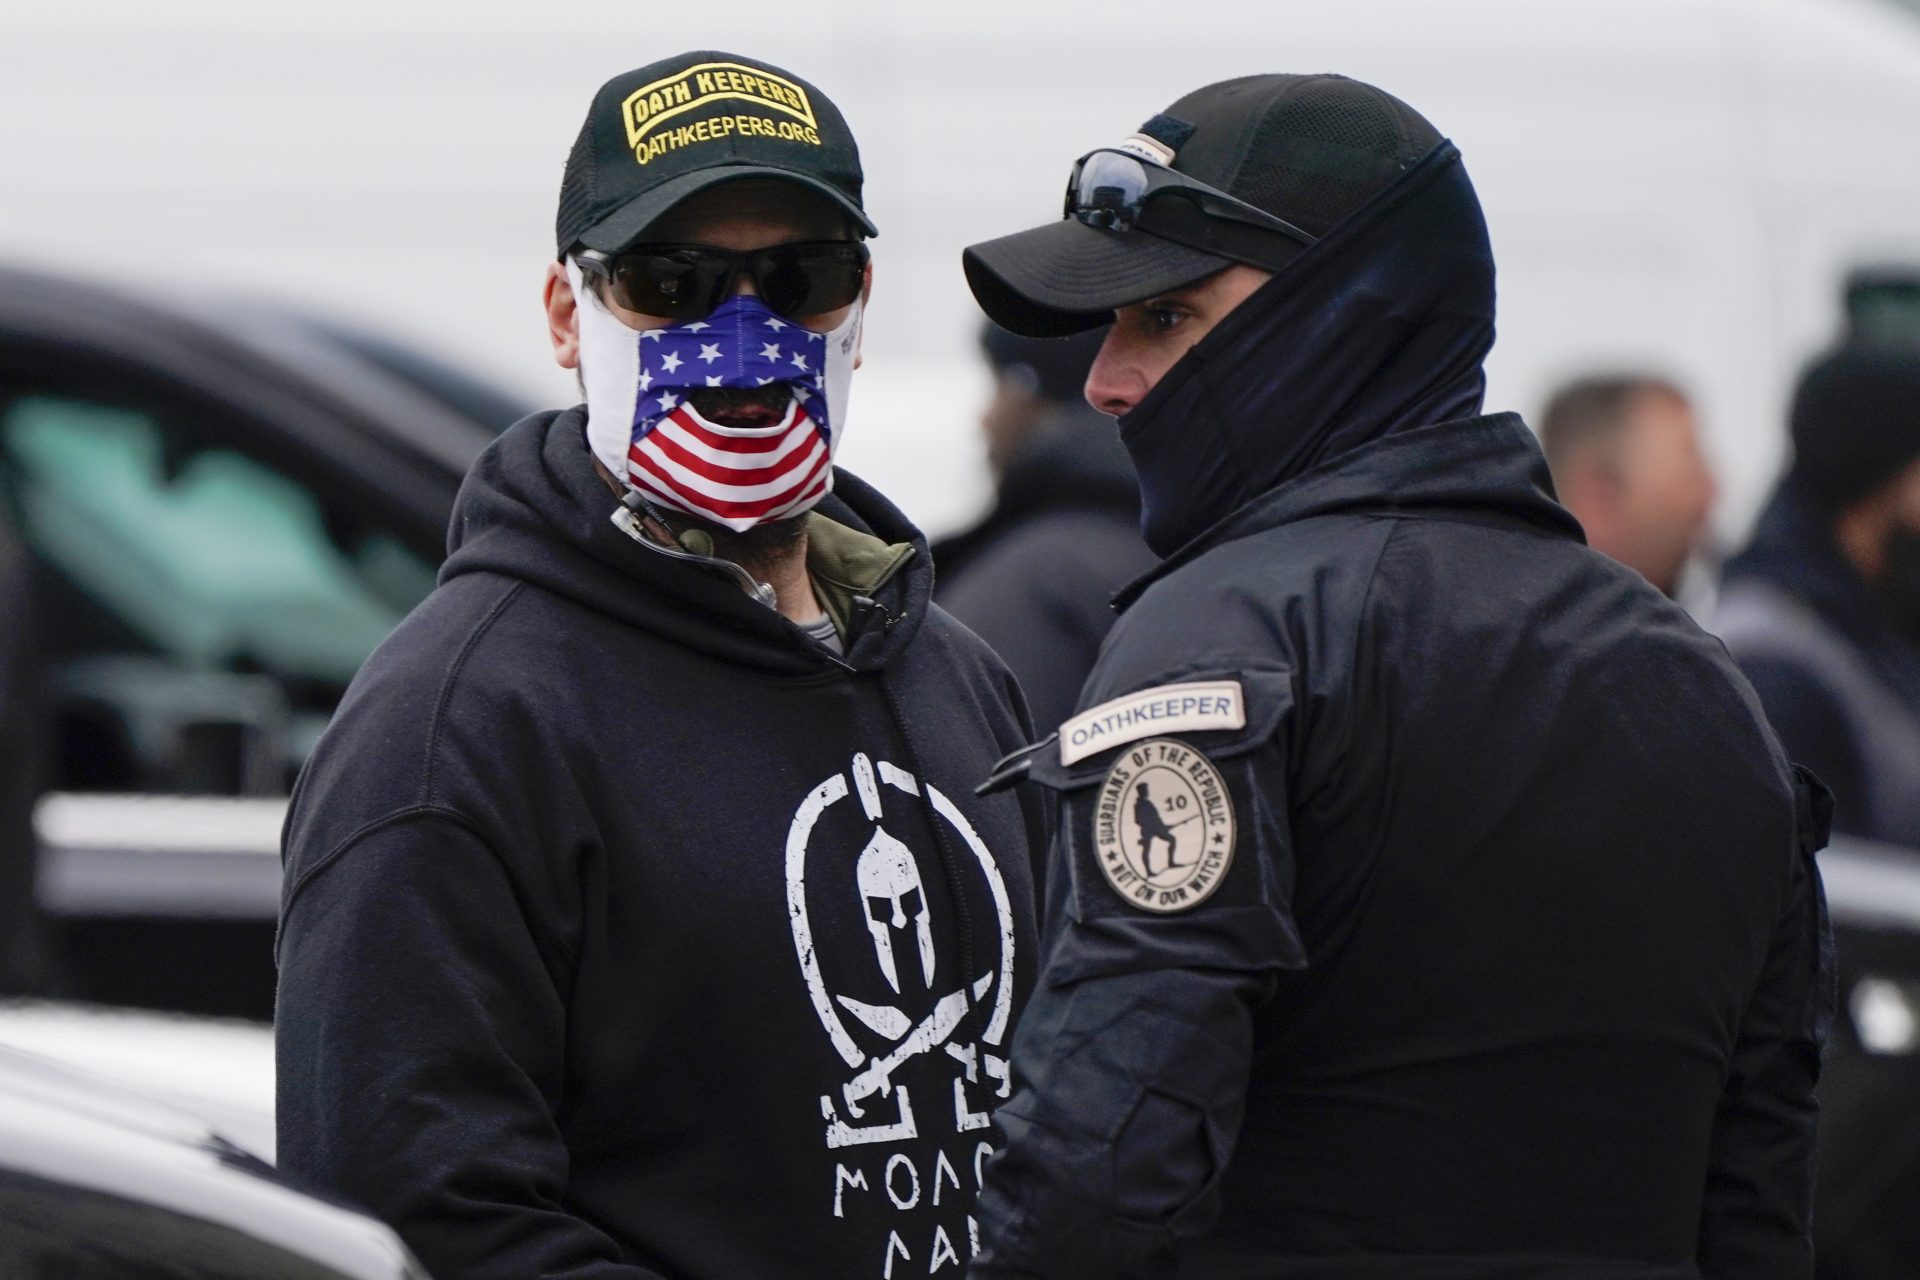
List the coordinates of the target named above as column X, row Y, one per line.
column 1380, row 327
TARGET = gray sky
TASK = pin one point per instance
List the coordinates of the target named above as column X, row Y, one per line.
column 1669, row 182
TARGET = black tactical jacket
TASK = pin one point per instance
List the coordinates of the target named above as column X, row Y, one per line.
column 1452, row 914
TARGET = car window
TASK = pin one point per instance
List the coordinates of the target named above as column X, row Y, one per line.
column 197, row 586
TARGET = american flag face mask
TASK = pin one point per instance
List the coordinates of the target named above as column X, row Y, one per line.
column 643, row 429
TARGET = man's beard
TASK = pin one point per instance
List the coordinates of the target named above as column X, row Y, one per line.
column 758, row 549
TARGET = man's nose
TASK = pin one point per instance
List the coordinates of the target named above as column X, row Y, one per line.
column 1114, row 384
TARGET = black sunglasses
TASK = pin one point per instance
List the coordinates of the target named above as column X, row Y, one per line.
column 1117, row 191
column 687, row 281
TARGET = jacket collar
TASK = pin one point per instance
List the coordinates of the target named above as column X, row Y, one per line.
column 1486, row 466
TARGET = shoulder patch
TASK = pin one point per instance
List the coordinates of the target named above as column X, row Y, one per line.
column 1163, row 826
column 1167, row 708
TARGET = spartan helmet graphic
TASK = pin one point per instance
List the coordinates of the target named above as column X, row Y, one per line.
column 889, row 881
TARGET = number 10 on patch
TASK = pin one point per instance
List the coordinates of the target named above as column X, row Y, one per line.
column 1163, row 826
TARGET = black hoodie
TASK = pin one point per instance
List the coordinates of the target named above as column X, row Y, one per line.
column 629, row 933
column 1455, row 914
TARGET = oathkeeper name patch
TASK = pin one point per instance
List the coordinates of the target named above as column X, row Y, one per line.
column 1163, row 826
column 1167, row 708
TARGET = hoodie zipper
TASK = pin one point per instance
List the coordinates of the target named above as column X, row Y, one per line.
column 949, row 864
column 627, row 519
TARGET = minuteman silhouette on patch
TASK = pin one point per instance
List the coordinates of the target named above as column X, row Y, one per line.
column 1163, row 826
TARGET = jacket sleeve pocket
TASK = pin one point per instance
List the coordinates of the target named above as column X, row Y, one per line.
column 1169, row 921
column 1175, row 849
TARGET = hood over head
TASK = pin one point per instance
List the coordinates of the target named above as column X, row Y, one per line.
column 1380, row 327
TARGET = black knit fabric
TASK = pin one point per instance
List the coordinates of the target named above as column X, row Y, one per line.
column 1324, row 149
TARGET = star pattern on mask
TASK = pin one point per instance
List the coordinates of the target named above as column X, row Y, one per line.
column 734, row 349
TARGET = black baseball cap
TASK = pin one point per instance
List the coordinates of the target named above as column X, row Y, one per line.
column 1310, row 149
column 1855, row 422
column 662, row 133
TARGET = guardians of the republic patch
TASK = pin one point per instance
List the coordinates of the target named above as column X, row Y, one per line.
column 1163, row 826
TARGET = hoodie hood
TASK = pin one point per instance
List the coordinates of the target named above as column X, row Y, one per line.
column 1381, row 327
column 534, row 508
column 1476, row 468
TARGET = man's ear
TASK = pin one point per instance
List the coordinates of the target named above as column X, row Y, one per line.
column 563, row 317
column 866, row 292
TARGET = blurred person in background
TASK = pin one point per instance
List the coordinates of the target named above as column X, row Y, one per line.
column 1822, row 608
column 640, row 917
column 1430, row 899
column 1822, row 612
column 1035, row 579
column 1626, row 461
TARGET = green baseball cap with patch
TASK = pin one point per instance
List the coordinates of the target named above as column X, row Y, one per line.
column 662, row 133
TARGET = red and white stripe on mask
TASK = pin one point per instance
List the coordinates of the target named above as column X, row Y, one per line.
column 644, row 429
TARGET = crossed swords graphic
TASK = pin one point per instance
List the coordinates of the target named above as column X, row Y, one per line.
column 931, row 1033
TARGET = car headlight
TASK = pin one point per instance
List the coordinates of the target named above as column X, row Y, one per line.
column 1886, row 1015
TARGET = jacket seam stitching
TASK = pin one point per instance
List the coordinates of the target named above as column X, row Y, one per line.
column 327, row 859
column 398, row 818
column 446, row 689
column 1366, row 601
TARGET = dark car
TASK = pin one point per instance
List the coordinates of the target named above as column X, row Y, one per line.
column 100, row 1183
column 1868, row 1175
column 222, row 508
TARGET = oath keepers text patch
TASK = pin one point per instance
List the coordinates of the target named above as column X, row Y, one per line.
column 650, row 111
column 1163, row 826
column 1167, row 708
